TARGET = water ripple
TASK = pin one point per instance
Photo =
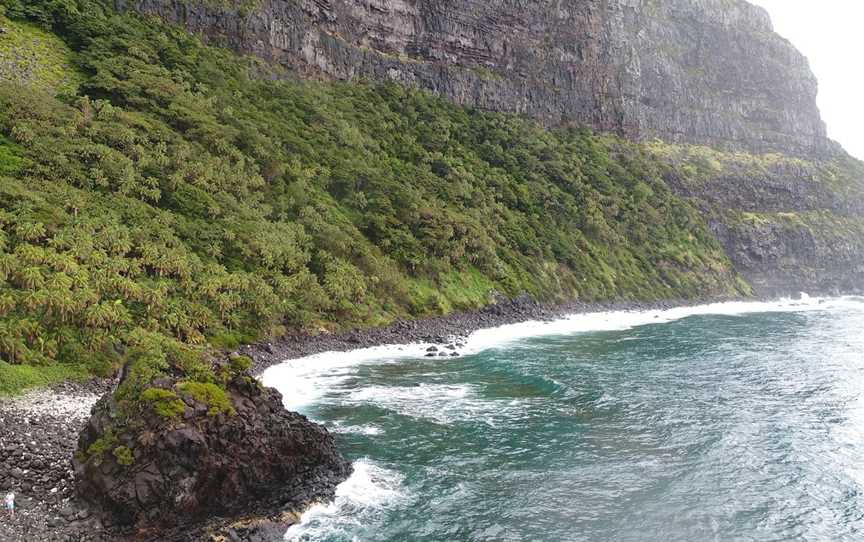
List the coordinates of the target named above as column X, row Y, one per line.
column 740, row 425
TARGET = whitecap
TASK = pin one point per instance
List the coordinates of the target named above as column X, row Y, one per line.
column 368, row 430
column 440, row 403
column 369, row 491
column 303, row 381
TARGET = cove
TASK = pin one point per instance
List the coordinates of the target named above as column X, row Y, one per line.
column 729, row 421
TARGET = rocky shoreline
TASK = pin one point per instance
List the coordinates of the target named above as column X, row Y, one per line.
column 38, row 435
column 441, row 330
column 39, row 430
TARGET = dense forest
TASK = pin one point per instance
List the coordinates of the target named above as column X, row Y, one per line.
column 161, row 199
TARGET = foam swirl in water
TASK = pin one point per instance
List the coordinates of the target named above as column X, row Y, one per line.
column 370, row 490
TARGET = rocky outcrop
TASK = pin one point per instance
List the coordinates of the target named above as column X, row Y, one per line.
column 180, row 464
column 782, row 254
column 695, row 71
column 788, row 225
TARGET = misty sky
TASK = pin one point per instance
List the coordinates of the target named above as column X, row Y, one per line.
column 831, row 35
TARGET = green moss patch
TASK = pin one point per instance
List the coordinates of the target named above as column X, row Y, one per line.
column 215, row 398
column 124, row 456
column 165, row 403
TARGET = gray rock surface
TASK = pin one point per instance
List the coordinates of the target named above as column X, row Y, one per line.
column 37, row 438
column 788, row 225
column 695, row 71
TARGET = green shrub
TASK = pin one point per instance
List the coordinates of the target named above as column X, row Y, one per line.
column 211, row 395
column 124, row 456
column 240, row 363
column 101, row 446
column 165, row 403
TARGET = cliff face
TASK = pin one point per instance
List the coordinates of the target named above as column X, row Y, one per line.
column 788, row 225
column 696, row 71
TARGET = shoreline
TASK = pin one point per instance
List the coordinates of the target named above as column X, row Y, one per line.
column 40, row 438
column 442, row 330
column 38, row 435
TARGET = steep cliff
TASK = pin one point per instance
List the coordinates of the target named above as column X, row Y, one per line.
column 692, row 72
column 787, row 224
column 695, row 71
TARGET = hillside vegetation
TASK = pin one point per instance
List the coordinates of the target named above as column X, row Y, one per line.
column 177, row 200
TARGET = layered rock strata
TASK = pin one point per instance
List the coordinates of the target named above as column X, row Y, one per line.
column 695, row 71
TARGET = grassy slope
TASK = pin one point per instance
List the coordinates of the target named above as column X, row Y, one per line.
column 179, row 202
column 30, row 55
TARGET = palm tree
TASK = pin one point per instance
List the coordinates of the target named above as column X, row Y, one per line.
column 10, row 342
column 7, row 303
column 8, row 264
column 30, row 231
column 30, row 278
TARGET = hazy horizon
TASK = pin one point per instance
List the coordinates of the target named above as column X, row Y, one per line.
column 828, row 33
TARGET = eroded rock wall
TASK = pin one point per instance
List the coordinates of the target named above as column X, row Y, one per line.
column 788, row 225
column 695, row 71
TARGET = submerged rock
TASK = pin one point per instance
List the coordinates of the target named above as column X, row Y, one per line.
column 158, row 472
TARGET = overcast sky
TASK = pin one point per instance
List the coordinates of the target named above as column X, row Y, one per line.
column 831, row 34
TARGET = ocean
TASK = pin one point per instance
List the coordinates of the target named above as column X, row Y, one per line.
column 734, row 421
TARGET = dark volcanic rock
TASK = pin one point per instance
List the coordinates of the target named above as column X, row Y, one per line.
column 200, row 466
column 695, row 71
column 781, row 258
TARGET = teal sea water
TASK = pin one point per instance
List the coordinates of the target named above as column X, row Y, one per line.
column 737, row 422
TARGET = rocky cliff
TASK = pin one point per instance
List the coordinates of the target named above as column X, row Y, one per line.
column 692, row 72
column 788, row 225
column 695, row 71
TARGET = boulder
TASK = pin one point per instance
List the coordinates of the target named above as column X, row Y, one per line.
column 160, row 472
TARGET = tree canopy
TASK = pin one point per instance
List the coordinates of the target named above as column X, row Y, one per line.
column 180, row 198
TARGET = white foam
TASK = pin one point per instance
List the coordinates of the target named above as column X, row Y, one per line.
column 369, row 491
column 434, row 402
column 369, row 430
column 304, row 380
column 622, row 320
column 372, row 489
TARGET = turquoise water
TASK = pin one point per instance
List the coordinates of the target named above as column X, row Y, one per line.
column 746, row 426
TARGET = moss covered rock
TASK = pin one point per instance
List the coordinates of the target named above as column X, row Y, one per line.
column 203, row 451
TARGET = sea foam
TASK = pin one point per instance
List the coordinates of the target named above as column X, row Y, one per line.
column 372, row 488
column 304, row 380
